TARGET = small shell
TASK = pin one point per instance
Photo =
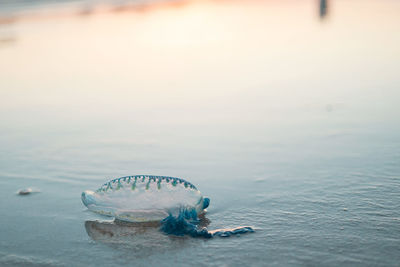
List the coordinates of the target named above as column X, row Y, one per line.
column 27, row 191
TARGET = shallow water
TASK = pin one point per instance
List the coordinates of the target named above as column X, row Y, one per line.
column 286, row 119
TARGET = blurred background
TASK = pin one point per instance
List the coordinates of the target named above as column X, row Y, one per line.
column 285, row 113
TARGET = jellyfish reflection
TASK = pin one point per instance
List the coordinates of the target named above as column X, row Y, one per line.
column 136, row 236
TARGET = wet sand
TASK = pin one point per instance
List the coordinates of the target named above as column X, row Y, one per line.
column 286, row 116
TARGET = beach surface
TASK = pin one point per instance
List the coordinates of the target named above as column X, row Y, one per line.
column 284, row 113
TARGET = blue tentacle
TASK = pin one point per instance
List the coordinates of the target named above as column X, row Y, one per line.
column 186, row 223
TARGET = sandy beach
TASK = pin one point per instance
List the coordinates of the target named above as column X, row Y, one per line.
column 283, row 113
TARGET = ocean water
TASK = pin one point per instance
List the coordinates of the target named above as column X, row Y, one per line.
column 284, row 113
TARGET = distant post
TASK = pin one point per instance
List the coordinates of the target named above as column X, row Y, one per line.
column 323, row 8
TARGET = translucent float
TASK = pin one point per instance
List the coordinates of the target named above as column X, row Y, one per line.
column 143, row 198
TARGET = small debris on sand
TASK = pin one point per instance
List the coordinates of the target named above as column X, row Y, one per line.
column 25, row 191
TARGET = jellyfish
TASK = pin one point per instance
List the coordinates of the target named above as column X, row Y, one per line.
column 173, row 202
column 144, row 198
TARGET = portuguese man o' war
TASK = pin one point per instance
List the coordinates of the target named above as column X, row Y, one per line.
column 174, row 202
column 145, row 198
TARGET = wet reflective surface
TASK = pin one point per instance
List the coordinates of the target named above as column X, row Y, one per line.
column 284, row 113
